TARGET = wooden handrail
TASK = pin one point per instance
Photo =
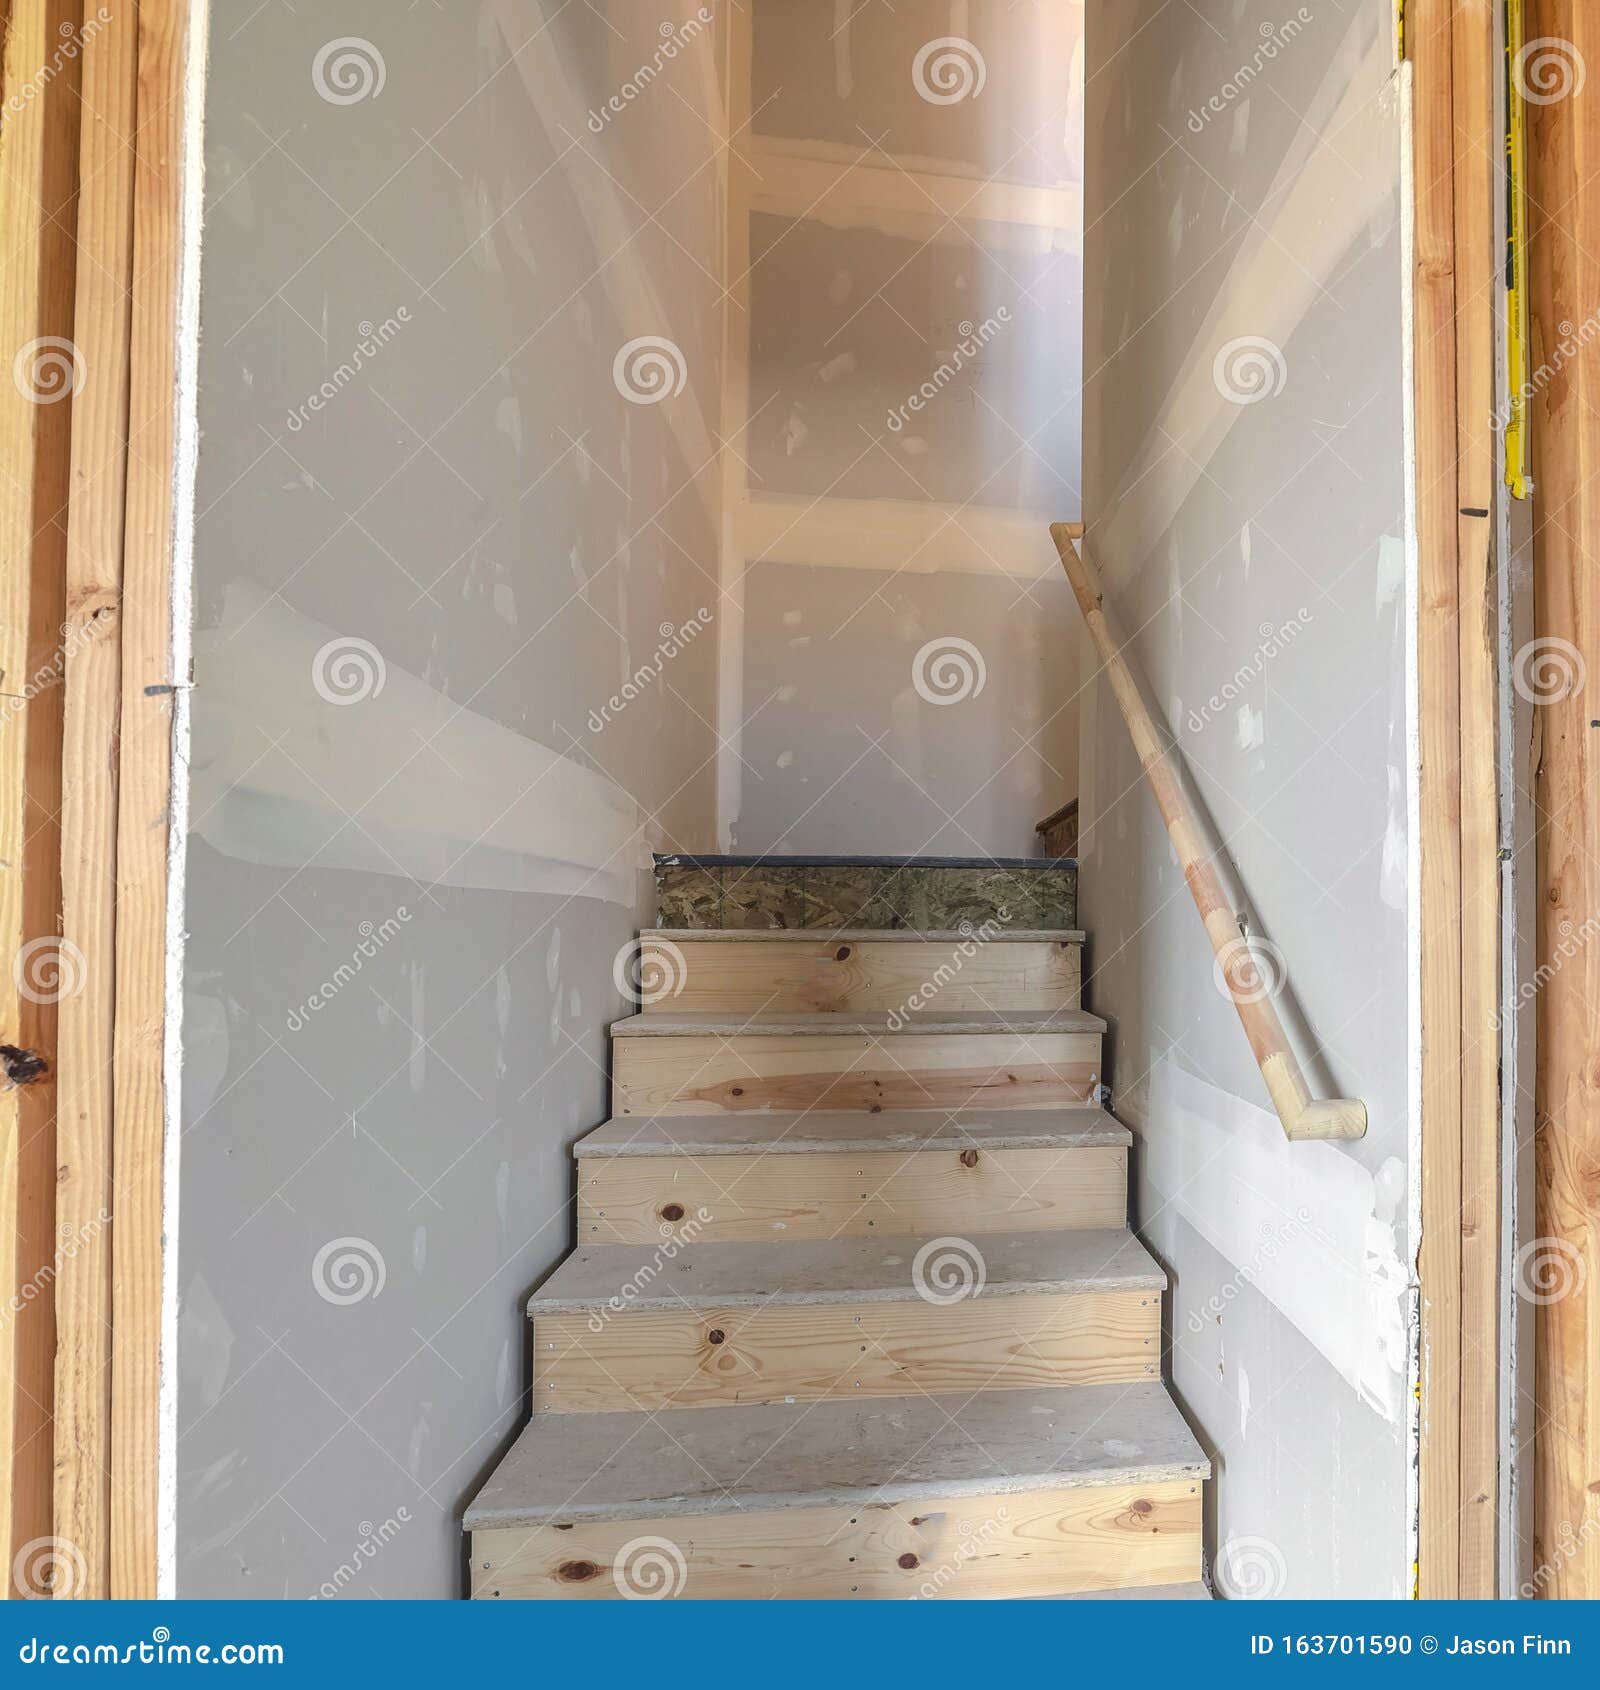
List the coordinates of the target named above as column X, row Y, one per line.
column 1303, row 1117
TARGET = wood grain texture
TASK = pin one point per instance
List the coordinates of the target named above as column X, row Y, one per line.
column 149, row 685
column 1429, row 47
column 954, row 1188
column 38, row 178
column 1564, row 277
column 695, row 1076
column 1031, row 1543
column 1475, row 68
column 769, row 978
column 84, row 1197
column 683, row 1358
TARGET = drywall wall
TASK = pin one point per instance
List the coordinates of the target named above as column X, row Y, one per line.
column 1244, row 479
column 454, row 673
column 906, row 261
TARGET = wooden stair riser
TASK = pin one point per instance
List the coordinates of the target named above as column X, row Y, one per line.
column 699, row 1075
column 677, row 1357
column 782, row 976
column 1030, row 1543
column 836, row 1194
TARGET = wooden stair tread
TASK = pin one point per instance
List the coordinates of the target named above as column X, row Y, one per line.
column 835, row 1270
column 667, row 1023
column 863, row 935
column 687, row 1461
column 854, row 1130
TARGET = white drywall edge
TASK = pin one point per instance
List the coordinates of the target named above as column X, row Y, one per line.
column 186, row 429
column 1405, row 79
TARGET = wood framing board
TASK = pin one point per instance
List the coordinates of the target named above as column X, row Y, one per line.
column 843, row 972
column 84, row 1197
column 1561, row 1272
column 1450, row 44
column 1428, row 45
column 955, row 1188
column 43, row 374
column 1475, row 71
column 1029, row 1543
column 696, row 1075
column 165, row 214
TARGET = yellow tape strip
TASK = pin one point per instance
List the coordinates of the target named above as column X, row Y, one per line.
column 1517, row 370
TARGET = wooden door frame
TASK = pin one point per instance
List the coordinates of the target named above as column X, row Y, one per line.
column 1451, row 79
column 98, row 169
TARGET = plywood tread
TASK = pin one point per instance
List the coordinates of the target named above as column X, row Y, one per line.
column 844, row 1270
column 865, row 935
column 658, row 1024
column 854, row 1130
column 682, row 1462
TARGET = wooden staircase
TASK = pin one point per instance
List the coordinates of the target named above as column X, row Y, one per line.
column 855, row 1311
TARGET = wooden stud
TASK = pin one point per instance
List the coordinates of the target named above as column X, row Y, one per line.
column 40, row 381
column 1476, row 174
column 698, row 1076
column 1562, row 1271
column 150, row 686
column 1029, row 1543
column 84, row 1196
column 627, row 1199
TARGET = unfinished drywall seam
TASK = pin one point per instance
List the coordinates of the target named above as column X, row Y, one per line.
column 1405, row 79
column 186, row 424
